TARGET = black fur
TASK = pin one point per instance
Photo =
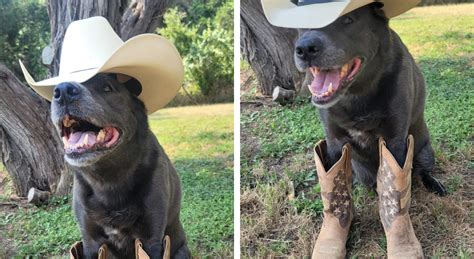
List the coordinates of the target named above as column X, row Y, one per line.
column 385, row 99
column 131, row 191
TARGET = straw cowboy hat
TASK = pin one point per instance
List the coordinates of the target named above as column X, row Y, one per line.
column 319, row 13
column 91, row 46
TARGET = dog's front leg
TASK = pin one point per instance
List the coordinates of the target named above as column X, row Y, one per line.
column 154, row 245
column 398, row 148
column 154, row 248
column 334, row 150
column 90, row 248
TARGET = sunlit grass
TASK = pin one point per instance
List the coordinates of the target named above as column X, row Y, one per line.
column 199, row 141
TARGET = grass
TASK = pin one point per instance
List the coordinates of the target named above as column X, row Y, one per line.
column 278, row 172
column 199, row 141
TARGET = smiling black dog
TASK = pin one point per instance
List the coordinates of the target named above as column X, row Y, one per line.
column 367, row 85
column 125, row 187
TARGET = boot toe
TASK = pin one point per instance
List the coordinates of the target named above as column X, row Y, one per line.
column 326, row 249
column 406, row 251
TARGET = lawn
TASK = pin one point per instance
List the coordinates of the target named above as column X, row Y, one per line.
column 280, row 205
column 199, row 141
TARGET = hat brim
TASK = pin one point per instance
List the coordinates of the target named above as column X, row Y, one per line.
column 283, row 13
column 149, row 58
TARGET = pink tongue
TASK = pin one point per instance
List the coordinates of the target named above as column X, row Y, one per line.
column 78, row 138
column 74, row 137
column 321, row 82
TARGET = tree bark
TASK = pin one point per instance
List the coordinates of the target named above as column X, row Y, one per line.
column 268, row 49
column 30, row 147
column 31, row 150
column 141, row 16
column 62, row 13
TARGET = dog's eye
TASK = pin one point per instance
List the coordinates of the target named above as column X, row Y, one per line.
column 107, row 88
column 347, row 20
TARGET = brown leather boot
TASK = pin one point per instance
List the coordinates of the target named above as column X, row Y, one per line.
column 141, row 254
column 76, row 251
column 394, row 190
column 336, row 186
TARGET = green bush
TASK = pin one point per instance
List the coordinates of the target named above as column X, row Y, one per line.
column 24, row 32
column 205, row 43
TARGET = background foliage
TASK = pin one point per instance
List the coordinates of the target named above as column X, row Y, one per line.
column 24, row 32
column 202, row 31
column 203, row 35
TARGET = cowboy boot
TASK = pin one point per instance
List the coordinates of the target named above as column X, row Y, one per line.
column 141, row 254
column 76, row 251
column 394, row 190
column 336, row 185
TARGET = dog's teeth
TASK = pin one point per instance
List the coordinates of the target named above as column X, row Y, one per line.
column 86, row 140
column 330, row 89
column 68, row 122
column 101, row 136
column 65, row 142
column 314, row 70
column 344, row 70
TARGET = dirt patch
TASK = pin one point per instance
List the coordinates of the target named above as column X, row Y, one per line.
column 272, row 227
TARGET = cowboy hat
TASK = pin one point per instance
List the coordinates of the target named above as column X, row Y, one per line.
column 319, row 13
column 91, row 46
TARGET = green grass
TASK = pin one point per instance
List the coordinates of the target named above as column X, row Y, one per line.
column 441, row 40
column 199, row 141
column 41, row 231
column 277, row 141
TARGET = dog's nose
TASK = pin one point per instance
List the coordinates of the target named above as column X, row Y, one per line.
column 64, row 92
column 308, row 48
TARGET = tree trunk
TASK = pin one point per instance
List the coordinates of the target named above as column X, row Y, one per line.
column 31, row 150
column 141, row 16
column 30, row 147
column 268, row 49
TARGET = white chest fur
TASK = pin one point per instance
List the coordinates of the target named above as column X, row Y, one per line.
column 360, row 137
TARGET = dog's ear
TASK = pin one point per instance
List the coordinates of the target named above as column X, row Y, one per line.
column 132, row 84
column 378, row 12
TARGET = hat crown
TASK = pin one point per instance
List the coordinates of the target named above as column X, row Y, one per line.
column 87, row 44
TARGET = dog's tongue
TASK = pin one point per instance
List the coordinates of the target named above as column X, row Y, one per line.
column 322, row 81
column 78, row 137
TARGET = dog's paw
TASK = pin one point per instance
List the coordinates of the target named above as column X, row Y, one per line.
column 434, row 185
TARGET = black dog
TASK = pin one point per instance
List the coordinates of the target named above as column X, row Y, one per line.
column 367, row 85
column 125, row 187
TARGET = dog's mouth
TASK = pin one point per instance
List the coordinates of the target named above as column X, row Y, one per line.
column 328, row 82
column 81, row 136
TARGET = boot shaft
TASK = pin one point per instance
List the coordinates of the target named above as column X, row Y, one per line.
column 394, row 183
column 336, row 184
column 394, row 190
